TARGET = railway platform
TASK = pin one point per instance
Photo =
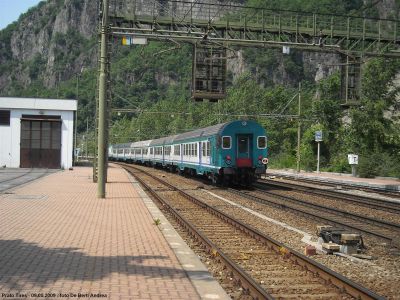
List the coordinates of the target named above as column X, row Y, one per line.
column 384, row 184
column 57, row 240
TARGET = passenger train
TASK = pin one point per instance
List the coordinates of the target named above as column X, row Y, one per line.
column 228, row 153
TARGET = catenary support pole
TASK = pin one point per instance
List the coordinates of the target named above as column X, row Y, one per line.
column 318, row 153
column 87, row 137
column 299, row 131
column 101, row 184
column 76, row 121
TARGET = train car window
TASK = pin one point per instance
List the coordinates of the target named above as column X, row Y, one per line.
column 195, row 149
column 177, row 150
column 203, row 148
column 167, row 150
column 226, row 142
column 208, row 152
column 151, row 151
column 262, row 142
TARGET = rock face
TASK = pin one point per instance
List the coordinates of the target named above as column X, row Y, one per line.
column 42, row 36
column 53, row 41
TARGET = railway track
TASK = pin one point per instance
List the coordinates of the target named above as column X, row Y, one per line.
column 376, row 203
column 376, row 227
column 395, row 194
column 12, row 182
column 265, row 268
column 19, row 175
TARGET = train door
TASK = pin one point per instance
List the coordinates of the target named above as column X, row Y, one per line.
column 244, row 150
column 205, row 152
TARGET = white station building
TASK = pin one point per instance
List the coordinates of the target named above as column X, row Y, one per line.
column 36, row 133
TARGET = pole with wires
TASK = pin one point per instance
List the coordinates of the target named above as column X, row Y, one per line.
column 101, row 144
column 299, row 131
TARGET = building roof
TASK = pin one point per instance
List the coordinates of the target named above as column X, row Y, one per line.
column 38, row 103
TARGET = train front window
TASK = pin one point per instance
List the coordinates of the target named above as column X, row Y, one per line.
column 262, row 142
column 226, row 142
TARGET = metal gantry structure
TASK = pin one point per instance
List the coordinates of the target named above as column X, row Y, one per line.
column 227, row 23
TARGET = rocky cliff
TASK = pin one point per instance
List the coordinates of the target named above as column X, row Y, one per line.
column 51, row 42
column 55, row 40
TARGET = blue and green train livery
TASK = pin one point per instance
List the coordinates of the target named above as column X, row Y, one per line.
column 232, row 152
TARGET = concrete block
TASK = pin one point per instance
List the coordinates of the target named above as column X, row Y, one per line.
column 332, row 247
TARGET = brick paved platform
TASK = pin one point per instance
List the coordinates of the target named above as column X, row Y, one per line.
column 57, row 237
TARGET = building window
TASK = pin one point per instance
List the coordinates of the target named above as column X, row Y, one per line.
column 5, row 117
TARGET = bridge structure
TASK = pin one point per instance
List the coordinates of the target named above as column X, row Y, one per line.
column 229, row 23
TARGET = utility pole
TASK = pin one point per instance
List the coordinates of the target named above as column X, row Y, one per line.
column 318, row 153
column 299, row 131
column 101, row 184
column 76, row 120
column 87, row 136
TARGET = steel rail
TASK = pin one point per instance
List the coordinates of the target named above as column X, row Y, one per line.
column 338, row 280
column 379, row 222
column 366, row 201
column 313, row 215
column 18, row 176
column 379, row 190
column 6, row 190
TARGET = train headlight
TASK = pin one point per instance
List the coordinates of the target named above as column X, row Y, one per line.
column 265, row 160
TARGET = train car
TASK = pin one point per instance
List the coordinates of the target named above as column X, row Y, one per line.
column 142, row 155
column 120, row 152
column 232, row 152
